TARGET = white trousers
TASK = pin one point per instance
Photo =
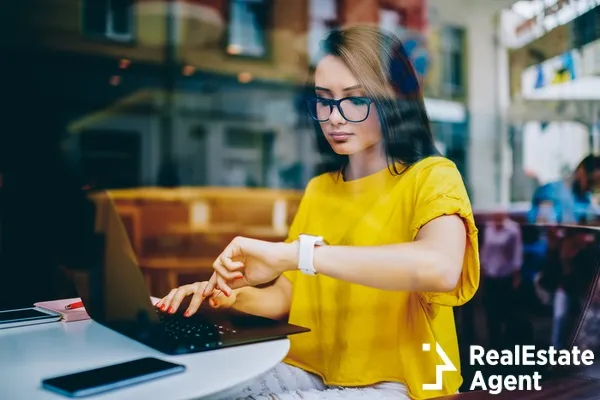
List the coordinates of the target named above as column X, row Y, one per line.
column 285, row 382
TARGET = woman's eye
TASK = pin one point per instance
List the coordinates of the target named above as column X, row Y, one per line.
column 358, row 101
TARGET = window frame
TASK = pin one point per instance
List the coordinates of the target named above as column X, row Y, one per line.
column 109, row 34
column 267, row 17
column 458, row 48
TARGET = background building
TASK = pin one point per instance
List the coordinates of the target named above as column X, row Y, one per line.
column 206, row 92
column 555, row 89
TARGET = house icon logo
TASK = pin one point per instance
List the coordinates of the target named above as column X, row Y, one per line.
column 440, row 368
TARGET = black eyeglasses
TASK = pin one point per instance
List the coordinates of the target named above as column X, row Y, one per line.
column 353, row 109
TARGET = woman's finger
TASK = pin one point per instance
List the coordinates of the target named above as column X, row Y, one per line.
column 230, row 264
column 196, row 301
column 223, row 286
column 234, row 248
column 216, row 300
column 181, row 293
column 211, row 285
column 164, row 304
column 225, row 273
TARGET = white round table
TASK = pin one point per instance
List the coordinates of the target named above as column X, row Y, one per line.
column 32, row 353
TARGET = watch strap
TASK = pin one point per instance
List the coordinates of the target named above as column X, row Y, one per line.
column 306, row 252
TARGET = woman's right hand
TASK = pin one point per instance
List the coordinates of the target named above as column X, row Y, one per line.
column 171, row 302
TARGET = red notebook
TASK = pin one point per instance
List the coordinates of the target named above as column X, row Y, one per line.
column 76, row 314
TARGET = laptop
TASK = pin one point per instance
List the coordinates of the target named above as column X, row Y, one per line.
column 114, row 293
column 556, row 305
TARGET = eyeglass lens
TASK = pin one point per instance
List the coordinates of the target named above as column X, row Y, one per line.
column 352, row 109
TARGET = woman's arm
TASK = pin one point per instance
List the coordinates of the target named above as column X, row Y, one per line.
column 273, row 301
column 432, row 263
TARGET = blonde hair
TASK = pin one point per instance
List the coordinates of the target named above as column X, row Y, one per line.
column 373, row 57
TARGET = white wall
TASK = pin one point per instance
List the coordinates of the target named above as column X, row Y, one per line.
column 548, row 153
column 487, row 84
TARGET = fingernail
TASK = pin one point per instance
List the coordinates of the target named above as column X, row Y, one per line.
column 171, row 310
column 213, row 302
column 186, row 313
column 163, row 307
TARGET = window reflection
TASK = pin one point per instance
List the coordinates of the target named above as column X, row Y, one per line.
column 108, row 19
column 248, row 28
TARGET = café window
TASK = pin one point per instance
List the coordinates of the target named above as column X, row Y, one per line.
column 247, row 35
column 323, row 16
column 453, row 51
column 110, row 19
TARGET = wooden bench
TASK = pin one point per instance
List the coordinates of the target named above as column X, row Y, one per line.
column 182, row 231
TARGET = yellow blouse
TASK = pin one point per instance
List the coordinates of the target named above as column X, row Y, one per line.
column 360, row 335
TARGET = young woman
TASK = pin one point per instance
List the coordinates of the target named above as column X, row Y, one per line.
column 401, row 243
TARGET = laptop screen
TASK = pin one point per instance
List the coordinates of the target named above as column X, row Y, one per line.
column 111, row 285
column 548, row 303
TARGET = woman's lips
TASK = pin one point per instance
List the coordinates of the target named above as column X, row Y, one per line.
column 340, row 136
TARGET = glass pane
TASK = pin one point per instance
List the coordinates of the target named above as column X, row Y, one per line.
column 121, row 16
column 95, row 16
column 201, row 133
column 247, row 30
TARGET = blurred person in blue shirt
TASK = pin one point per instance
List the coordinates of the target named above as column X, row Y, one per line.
column 568, row 201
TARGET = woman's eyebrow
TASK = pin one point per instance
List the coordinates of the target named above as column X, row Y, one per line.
column 345, row 89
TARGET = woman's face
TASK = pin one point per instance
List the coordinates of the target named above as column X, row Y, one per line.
column 334, row 80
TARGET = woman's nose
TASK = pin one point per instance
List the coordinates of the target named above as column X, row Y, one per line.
column 336, row 117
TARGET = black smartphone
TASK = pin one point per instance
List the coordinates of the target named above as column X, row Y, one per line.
column 26, row 316
column 104, row 379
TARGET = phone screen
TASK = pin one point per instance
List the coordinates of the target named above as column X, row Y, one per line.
column 21, row 315
column 112, row 377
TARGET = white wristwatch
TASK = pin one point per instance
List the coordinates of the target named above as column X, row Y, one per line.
column 306, row 252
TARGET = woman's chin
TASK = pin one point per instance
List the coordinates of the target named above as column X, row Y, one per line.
column 343, row 148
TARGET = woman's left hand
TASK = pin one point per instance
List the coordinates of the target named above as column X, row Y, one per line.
column 251, row 262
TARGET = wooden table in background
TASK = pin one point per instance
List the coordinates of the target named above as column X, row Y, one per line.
column 162, row 273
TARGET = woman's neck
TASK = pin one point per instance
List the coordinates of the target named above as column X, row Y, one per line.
column 365, row 163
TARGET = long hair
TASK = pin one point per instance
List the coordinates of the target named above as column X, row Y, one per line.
column 380, row 63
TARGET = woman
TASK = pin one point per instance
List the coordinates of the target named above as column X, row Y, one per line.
column 401, row 242
column 568, row 201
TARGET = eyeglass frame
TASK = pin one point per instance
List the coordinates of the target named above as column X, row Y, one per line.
column 336, row 103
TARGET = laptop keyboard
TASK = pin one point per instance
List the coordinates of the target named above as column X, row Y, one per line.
column 193, row 329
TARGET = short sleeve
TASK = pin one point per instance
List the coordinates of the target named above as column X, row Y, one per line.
column 441, row 191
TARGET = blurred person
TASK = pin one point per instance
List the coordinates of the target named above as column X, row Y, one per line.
column 535, row 257
column 568, row 201
column 577, row 257
column 402, row 246
column 501, row 261
column 562, row 282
